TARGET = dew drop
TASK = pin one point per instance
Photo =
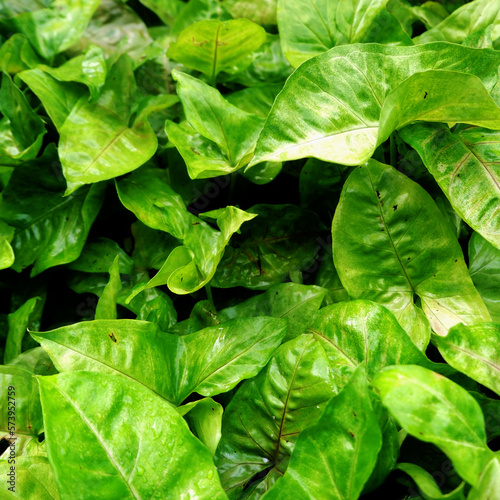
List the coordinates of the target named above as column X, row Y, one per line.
column 140, row 470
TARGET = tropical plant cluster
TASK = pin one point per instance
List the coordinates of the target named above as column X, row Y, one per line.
column 250, row 249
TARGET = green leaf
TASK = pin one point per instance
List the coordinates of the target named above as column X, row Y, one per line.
column 391, row 244
column 20, row 385
column 334, row 458
column 18, row 325
column 126, row 441
column 333, row 127
column 117, row 29
column 98, row 140
column 53, row 29
column 166, row 10
column 89, row 69
column 463, row 164
column 214, row 46
column 282, row 242
column 99, row 255
column 427, row 486
column 473, row 350
column 205, row 420
column 35, row 361
column 106, row 307
column 21, row 129
column 17, row 54
column 58, row 98
column 362, row 331
column 34, row 478
column 311, row 27
column 192, row 265
column 208, row 362
column 50, row 229
column 7, row 256
column 296, row 303
column 214, row 120
column 489, row 482
column 269, row 66
column 262, row 12
column 465, row 21
column 436, row 410
column 264, row 418
column 484, row 269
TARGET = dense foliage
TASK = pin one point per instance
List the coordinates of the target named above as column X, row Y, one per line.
column 250, row 249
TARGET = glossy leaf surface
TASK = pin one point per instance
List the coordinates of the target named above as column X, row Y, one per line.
column 191, row 265
column 34, row 479
column 27, row 423
column 49, row 229
column 214, row 120
column 391, row 243
column 464, row 165
column 438, row 411
column 311, row 27
column 484, row 269
column 296, row 303
column 261, row 424
column 362, row 331
column 210, row 361
column 54, row 28
column 474, row 350
column 214, row 46
column 98, row 140
column 204, row 417
column 319, row 112
column 108, row 424
column 334, row 458
column 489, row 482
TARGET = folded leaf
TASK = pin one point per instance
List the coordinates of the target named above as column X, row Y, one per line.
column 427, row 486
column 333, row 459
column 264, row 418
column 473, row 350
column 464, row 165
column 190, row 266
column 224, row 135
column 49, row 229
column 34, row 478
column 106, row 307
column 205, row 420
column 214, row 46
column 391, row 244
column 319, row 114
column 18, row 322
column 436, row 410
column 310, row 27
column 214, row 360
column 135, row 445
column 484, row 269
